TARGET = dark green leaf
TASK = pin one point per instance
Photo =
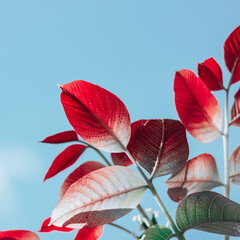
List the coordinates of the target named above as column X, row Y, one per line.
column 210, row 212
column 157, row 232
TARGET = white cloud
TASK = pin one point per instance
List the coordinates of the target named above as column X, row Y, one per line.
column 8, row 199
column 17, row 164
column 20, row 163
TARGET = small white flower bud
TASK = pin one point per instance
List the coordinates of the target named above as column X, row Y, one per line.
column 156, row 214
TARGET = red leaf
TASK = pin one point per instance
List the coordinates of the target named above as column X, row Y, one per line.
column 46, row 228
column 97, row 115
column 122, row 158
column 18, row 235
column 89, row 233
column 65, row 159
column 199, row 174
column 211, row 74
column 160, row 146
column 197, row 108
column 81, row 171
column 234, row 166
column 99, row 197
column 231, row 51
column 61, row 137
column 235, row 112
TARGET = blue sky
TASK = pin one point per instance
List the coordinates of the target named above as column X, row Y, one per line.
column 130, row 47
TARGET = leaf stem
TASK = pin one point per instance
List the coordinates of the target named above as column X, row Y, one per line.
column 226, row 138
column 179, row 235
column 136, row 165
column 156, row 197
column 226, row 147
column 96, row 150
column 124, row 229
column 144, row 215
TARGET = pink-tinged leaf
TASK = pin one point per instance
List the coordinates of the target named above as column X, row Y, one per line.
column 99, row 197
column 199, row 174
column 18, row 235
column 122, row 158
column 160, row 146
column 231, row 51
column 81, row 171
column 89, row 233
column 46, row 228
column 211, row 74
column 197, row 108
column 65, row 159
column 62, row 137
column 235, row 112
column 234, row 166
column 97, row 115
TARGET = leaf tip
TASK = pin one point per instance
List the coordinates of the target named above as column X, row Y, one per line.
column 60, row 86
column 45, row 178
column 178, row 73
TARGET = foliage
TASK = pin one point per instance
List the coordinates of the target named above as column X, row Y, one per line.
column 95, row 194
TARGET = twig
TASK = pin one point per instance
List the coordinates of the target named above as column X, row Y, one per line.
column 124, row 229
column 96, row 150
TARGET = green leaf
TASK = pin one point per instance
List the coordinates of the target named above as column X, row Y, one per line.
column 210, row 212
column 157, row 232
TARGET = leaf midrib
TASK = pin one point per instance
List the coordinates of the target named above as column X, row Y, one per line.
column 208, row 223
column 103, row 199
column 160, row 151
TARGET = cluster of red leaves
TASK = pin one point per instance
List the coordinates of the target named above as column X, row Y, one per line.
column 197, row 107
column 201, row 114
column 93, row 194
